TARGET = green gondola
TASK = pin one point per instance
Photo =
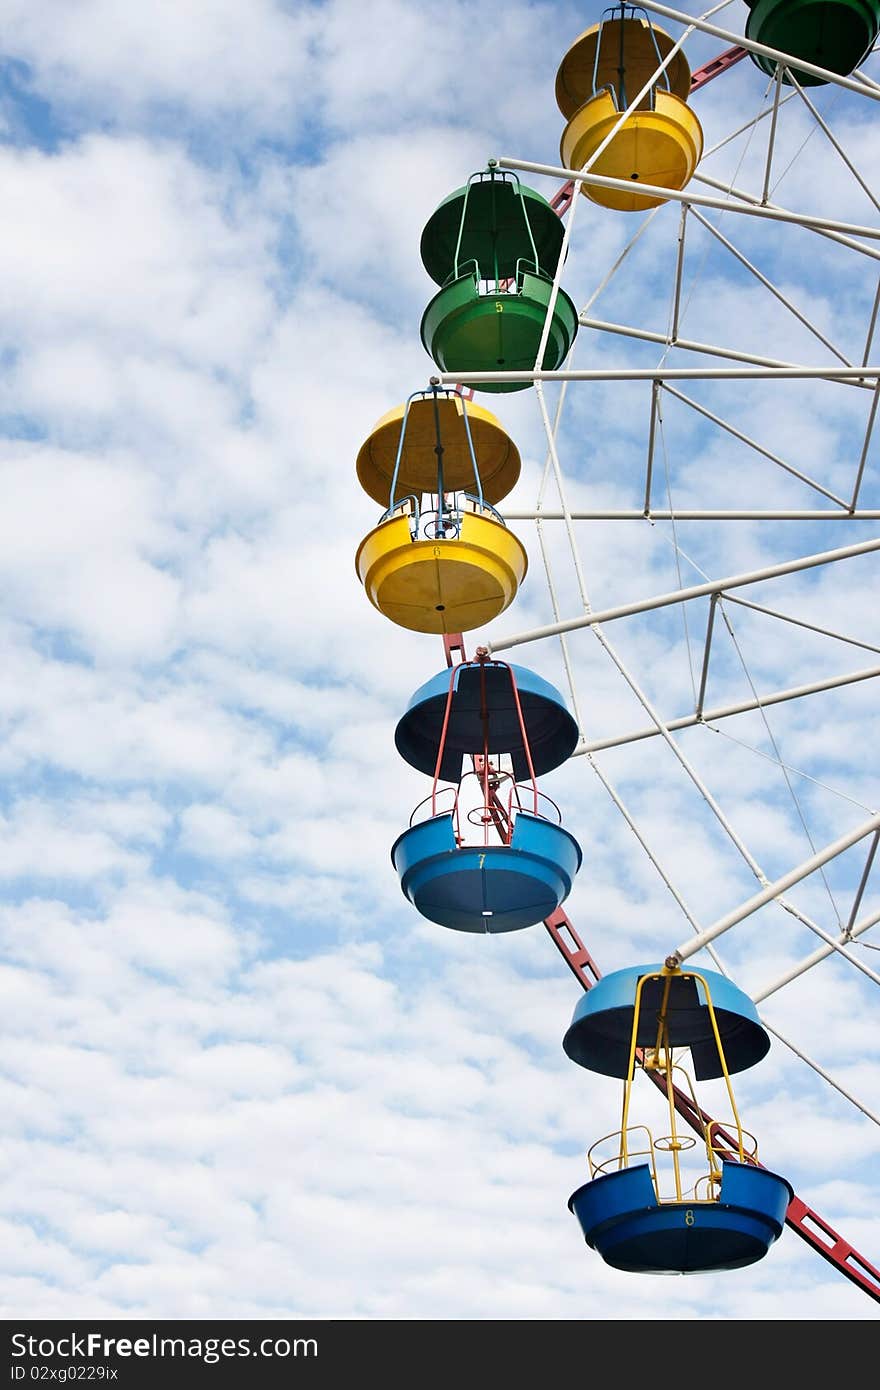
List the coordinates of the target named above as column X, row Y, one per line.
column 493, row 247
column 832, row 34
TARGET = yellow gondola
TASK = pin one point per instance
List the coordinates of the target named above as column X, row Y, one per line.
column 662, row 146
column 454, row 581
column 600, row 78
column 451, row 565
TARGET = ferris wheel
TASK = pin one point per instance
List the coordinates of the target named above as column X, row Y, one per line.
column 704, row 541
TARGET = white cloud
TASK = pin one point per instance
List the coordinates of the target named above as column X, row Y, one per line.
column 209, row 57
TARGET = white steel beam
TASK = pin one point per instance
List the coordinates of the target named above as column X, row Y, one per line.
column 665, row 374
column 872, row 325
column 690, row 514
column 773, row 890
column 688, row 721
column 627, row 330
column 821, row 954
column 863, row 77
column 780, row 73
column 773, row 214
column 732, row 192
column 801, row 622
column 863, row 883
column 714, row 586
column 860, row 471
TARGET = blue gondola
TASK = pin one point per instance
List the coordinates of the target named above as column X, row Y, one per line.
column 499, row 860
column 491, row 887
column 475, row 689
column 623, row 1221
column 642, row 1210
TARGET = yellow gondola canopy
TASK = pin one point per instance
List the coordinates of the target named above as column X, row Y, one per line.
column 627, row 59
column 497, row 456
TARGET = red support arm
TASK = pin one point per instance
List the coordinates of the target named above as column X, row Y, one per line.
column 718, row 65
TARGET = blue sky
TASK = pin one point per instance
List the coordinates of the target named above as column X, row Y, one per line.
column 241, row 1077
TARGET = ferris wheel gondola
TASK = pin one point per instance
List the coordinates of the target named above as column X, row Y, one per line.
column 498, row 859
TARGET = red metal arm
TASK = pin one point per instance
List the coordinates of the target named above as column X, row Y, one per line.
column 717, row 66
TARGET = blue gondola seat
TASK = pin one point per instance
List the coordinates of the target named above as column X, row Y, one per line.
column 488, row 887
column 622, row 1220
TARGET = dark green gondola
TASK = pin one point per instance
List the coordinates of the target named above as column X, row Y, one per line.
column 832, row 34
column 493, row 247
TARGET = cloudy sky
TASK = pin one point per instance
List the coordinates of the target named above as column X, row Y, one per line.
column 241, row 1077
